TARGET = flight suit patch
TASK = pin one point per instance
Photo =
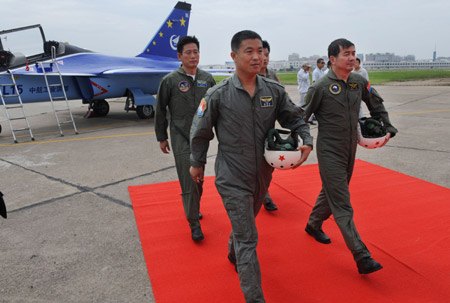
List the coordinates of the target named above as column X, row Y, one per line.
column 184, row 86
column 201, row 83
column 266, row 101
column 335, row 88
column 201, row 108
column 354, row 86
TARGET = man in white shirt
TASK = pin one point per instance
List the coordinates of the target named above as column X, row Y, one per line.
column 360, row 70
column 318, row 72
column 304, row 83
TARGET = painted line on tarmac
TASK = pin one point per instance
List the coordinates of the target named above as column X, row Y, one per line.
column 419, row 149
column 105, row 127
column 152, row 133
column 76, row 139
column 421, row 112
column 415, row 100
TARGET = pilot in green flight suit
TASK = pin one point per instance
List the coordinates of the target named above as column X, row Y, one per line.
column 335, row 101
column 181, row 92
column 241, row 117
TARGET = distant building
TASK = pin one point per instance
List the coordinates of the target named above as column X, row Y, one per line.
column 387, row 57
column 408, row 65
column 370, row 61
column 294, row 57
column 294, row 62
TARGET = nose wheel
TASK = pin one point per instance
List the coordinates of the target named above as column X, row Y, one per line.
column 100, row 108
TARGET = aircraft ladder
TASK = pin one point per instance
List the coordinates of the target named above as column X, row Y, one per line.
column 52, row 88
column 8, row 107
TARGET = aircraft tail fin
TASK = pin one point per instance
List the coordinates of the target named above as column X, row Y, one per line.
column 164, row 43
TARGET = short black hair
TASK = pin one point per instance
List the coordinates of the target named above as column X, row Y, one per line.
column 241, row 36
column 359, row 60
column 186, row 40
column 266, row 45
column 335, row 47
column 320, row 60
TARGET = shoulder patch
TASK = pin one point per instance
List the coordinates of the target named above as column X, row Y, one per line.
column 201, row 108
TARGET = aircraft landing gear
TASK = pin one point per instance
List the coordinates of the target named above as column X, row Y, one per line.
column 145, row 111
column 100, row 108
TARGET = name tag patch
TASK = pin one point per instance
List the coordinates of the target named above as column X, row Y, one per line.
column 266, row 101
column 201, row 83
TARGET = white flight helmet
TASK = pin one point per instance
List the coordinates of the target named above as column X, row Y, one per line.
column 371, row 133
column 282, row 153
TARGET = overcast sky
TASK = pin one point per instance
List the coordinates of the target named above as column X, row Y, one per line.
column 124, row 28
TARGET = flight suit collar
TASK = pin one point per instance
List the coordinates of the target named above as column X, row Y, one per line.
column 237, row 83
column 182, row 71
column 333, row 76
column 351, row 77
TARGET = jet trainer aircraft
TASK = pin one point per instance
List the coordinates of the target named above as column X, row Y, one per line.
column 90, row 76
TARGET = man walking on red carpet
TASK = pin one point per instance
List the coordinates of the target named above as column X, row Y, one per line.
column 242, row 109
column 181, row 92
column 335, row 100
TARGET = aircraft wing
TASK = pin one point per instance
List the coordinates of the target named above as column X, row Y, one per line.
column 93, row 64
column 220, row 71
column 36, row 73
column 134, row 70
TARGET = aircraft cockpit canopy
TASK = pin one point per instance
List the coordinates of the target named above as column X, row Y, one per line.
column 27, row 45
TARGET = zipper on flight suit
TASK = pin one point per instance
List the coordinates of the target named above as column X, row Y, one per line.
column 349, row 121
column 254, row 142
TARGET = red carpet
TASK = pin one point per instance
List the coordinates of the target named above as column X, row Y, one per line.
column 404, row 221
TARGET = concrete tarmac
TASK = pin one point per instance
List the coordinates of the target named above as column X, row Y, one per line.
column 71, row 235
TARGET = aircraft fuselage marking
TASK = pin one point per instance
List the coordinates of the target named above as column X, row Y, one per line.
column 103, row 90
